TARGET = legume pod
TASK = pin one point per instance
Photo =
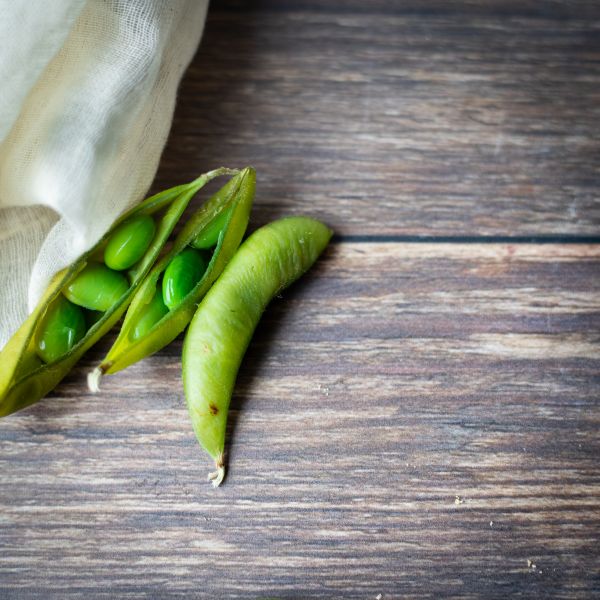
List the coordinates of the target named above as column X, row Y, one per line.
column 234, row 201
column 268, row 261
column 24, row 378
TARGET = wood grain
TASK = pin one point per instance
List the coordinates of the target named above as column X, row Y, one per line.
column 441, row 118
column 411, row 420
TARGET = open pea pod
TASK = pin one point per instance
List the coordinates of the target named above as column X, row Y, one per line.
column 222, row 221
column 24, row 377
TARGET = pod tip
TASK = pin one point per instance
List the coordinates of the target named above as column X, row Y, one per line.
column 217, row 476
column 93, row 380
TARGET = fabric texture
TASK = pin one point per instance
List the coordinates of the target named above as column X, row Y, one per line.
column 88, row 92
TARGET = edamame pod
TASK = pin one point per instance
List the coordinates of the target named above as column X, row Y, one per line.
column 97, row 287
column 23, row 378
column 62, row 327
column 129, row 242
column 268, row 261
column 181, row 276
column 236, row 199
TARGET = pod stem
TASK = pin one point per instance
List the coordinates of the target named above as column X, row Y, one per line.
column 217, row 476
column 200, row 181
column 93, row 379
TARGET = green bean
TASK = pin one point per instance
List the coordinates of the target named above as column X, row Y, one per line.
column 97, row 287
column 210, row 236
column 181, row 276
column 62, row 327
column 24, row 379
column 268, row 261
column 155, row 311
column 235, row 198
column 129, row 242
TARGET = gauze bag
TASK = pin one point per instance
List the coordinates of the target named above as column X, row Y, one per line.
column 87, row 91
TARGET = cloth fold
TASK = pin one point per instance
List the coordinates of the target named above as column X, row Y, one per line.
column 87, row 102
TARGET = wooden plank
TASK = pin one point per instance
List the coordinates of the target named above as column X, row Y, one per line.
column 411, row 420
column 449, row 118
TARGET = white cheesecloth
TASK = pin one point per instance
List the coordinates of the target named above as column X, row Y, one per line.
column 87, row 91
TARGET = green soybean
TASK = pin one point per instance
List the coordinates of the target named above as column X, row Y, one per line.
column 210, row 235
column 154, row 312
column 182, row 275
column 24, row 379
column 129, row 242
column 234, row 198
column 61, row 328
column 268, row 261
column 97, row 287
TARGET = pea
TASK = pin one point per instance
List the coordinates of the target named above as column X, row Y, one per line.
column 62, row 327
column 97, row 287
column 210, row 235
column 181, row 275
column 268, row 261
column 153, row 313
column 129, row 242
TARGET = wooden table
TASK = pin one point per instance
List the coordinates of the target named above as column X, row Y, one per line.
column 416, row 418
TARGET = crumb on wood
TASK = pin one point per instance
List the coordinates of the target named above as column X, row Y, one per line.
column 458, row 500
column 323, row 389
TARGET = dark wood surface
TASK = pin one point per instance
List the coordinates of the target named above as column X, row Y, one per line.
column 456, row 118
column 417, row 417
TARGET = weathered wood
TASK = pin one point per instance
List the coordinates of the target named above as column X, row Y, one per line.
column 411, row 420
column 396, row 117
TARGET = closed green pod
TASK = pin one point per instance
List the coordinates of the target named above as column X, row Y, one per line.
column 182, row 275
column 272, row 258
column 61, row 328
column 154, row 312
column 97, row 287
column 129, row 242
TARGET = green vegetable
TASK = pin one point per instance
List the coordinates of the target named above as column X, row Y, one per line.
column 235, row 198
column 268, row 261
column 97, row 287
column 181, row 276
column 23, row 378
column 210, row 235
column 154, row 312
column 62, row 327
column 129, row 242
